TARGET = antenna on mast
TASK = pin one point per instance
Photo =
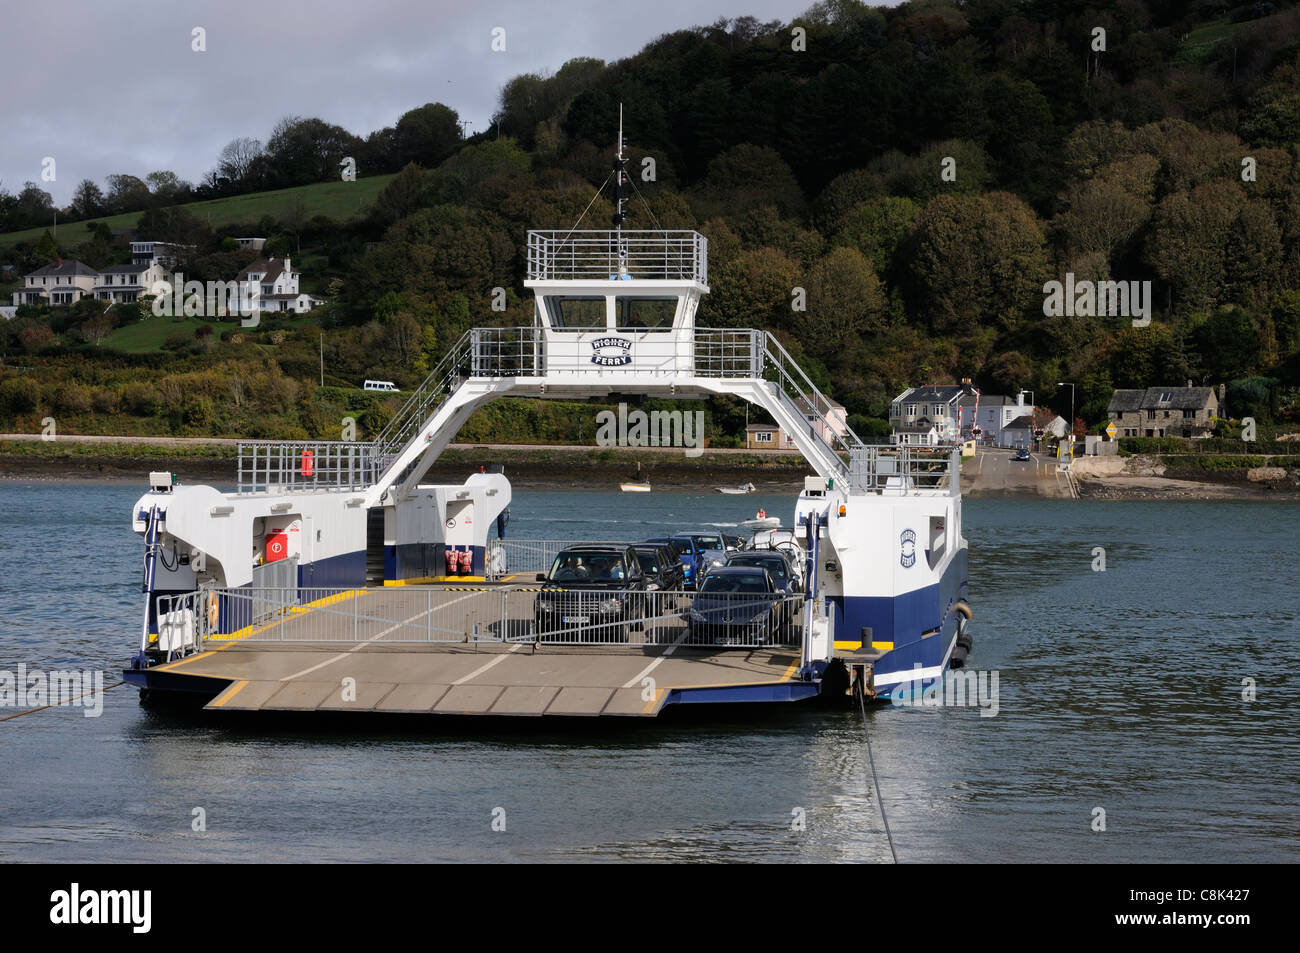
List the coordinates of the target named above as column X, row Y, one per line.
column 620, row 174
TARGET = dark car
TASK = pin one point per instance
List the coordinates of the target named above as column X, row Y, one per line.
column 711, row 548
column 1021, row 454
column 687, row 553
column 661, row 566
column 779, row 567
column 593, row 593
column 736, row 605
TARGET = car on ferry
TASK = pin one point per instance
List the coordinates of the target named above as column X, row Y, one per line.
column 663, row 570
column 735, row 605
column 782, row 570
column 711, row 551
column 688, row 554
column 594, row 592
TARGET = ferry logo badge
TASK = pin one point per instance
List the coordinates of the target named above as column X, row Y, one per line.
column 907, row 555
column 611, row 352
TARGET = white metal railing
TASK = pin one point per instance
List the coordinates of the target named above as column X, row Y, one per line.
column 493, row 614
column 679, row 255
column 904, row 469
column 306, row 465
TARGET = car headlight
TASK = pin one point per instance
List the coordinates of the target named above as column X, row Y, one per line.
column 545, row 607
column 610, row 605
column 716, row 562
column 695, row 616
column 760, row 620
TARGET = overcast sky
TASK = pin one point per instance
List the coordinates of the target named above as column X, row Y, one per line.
column 107, row 86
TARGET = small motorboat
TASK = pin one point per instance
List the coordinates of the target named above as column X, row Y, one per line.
column 637, row 487
column 737, row 490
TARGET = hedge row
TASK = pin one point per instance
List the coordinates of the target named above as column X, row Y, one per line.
column 1211, row 445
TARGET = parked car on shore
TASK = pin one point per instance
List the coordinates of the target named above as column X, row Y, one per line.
column 594, row 592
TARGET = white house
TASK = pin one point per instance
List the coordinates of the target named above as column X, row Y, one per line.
column 64, row 282
column 929, row 415
column 992, row 413
column 252, row 244
column 273, row 284
column 120, row 283
column 165, row 253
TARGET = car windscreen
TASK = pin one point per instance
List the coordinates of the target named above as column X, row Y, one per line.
column 774, row 566
column 587, row 567
column 707, row 540
column 649, row 560
column 683, row 545
column 748, row 582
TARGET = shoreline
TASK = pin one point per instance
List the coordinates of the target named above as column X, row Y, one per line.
column 26, row 458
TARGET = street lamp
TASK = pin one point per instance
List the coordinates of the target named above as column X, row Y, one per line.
column 1071, row 386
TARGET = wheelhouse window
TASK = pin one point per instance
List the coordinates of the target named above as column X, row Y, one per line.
column 644, row 314
column 576, row 311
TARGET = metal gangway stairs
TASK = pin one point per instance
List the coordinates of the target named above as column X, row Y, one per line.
column 554, row 359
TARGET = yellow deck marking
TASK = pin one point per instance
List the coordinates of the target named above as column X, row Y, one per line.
column 883, row 646
column 847, row 646
column 650, row 705
column 230, row 693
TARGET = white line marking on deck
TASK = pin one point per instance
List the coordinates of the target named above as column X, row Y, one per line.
column 483, row 668
column 380, row 635
column 635, row 681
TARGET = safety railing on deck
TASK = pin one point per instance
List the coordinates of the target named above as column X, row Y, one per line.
column 601, row 254
column 412, row 614
column 905, row 470
column 306, row 465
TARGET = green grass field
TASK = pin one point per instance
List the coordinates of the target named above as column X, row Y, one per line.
column 149, row 334
column 339, row 200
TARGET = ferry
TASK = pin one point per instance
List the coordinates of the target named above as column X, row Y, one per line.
column 334, row 579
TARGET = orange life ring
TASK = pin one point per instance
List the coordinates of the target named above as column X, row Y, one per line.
column 214, row 612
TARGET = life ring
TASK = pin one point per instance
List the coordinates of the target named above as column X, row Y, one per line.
column 214, row 612
column 965, row 610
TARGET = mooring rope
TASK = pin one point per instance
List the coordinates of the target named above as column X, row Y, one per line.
column 59, row 704
column 871, row 760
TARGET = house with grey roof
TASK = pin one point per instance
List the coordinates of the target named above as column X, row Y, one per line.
column 928, row 415
column 273, row 285
column 1165, row 411
column 63, row 282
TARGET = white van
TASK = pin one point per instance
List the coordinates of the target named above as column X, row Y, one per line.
column 388, row 386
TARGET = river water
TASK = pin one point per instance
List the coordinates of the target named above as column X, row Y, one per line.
column 1120, row 690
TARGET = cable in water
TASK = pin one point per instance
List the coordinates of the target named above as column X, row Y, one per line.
column 871, row 760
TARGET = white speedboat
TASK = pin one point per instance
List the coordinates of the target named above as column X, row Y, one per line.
column 639, row 487
column 737, row 490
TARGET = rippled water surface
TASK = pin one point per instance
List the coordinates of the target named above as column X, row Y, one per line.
column 1119, row 689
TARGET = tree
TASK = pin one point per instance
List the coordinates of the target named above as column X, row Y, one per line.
column 427, row 135
column 301, row 151
column 126, row 193
column 87, row 201
column 167, row 188
column 236, row 161
column 973, row 261
column 34, row 206
column 400, row 197
column 747, row 177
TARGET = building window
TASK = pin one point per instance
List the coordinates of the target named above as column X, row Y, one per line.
column 763, row 436
column 911, row 410
column 1189, row 415
column 1151, row 415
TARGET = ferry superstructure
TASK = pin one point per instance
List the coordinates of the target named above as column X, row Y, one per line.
column 334, row 561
